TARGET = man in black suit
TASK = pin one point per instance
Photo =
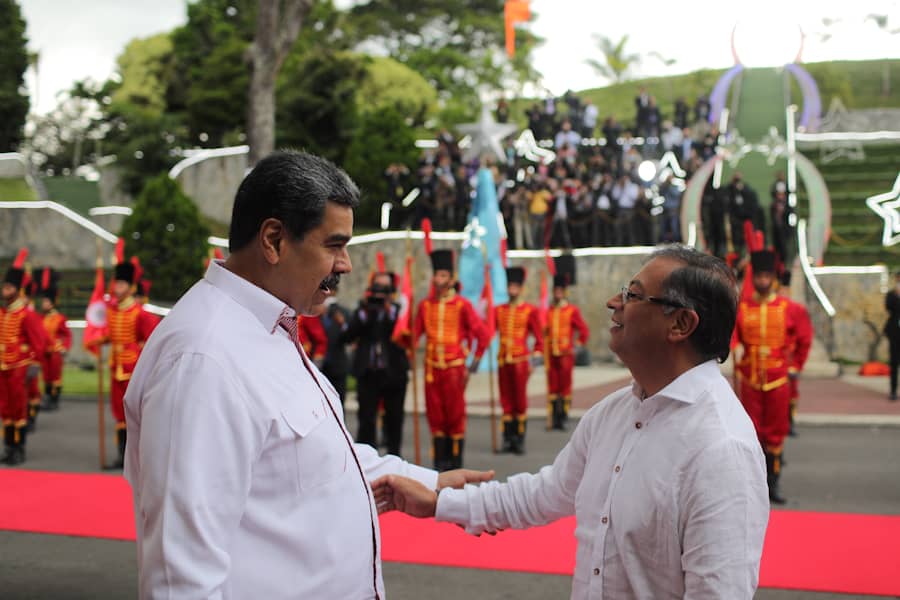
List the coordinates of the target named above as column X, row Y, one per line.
column 335, row 364
column 380, row 366
column 892, row 331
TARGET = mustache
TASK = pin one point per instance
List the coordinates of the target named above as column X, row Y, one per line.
column 331, row 282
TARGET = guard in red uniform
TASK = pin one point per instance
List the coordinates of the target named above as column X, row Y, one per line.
column 451, row 328
column 59, row 338
column 30, row 290
column 564, row 321
column 128, row 327
column 765, row 326
column 798, row 344
column 515, row 321
column 312, row 337
column 21, row 338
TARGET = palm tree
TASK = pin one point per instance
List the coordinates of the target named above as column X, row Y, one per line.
column 617, row 63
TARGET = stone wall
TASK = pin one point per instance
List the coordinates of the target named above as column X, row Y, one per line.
column 212, row 184
column 50, row 238
column 855, row 330
column 598, row 278
column 12, row 166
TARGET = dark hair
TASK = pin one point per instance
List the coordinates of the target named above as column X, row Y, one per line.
column 705, row 285
column 292, row 187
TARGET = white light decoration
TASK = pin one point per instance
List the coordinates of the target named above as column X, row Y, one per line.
column 410, row 197
column 527, row 147
column 808, row 272
column 647, row 170
column 109, row 210
column 885, row 206
column 385, row 215
column 486, row 135
column 670, row 161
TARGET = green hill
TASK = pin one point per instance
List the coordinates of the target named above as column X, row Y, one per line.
column 16, row 189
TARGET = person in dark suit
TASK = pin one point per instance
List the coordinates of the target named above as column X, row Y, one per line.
column 336, row 365
column 380, row 366
column 892, row 331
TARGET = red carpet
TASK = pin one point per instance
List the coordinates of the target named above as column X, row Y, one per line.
column 829, row 552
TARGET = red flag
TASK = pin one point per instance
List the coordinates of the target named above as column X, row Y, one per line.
column 544, row 307
column 402, row 334
column 426, row 229
column 487, row 303
column 95, row 315
column 514, row 11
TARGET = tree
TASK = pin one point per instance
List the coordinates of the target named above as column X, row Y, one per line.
column 146, row 69
column 13, row 63
column 390, row 83
column 165, row 232
column 456, row 45
column 278, row 24
column 617, row 63
column 317, row 102
column 382, row 139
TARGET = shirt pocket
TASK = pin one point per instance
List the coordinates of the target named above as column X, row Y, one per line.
column 319, row 446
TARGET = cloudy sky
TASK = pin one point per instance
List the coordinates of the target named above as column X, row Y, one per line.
column 82, row 39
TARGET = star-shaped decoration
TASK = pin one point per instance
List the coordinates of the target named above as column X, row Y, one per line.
column 473, row 231
column 735, row 149
column 829, row 152
column 670, row 161
column 837, row 112
column 773, row 146
column 485, row 137
column 885, row 206
column 527, row 147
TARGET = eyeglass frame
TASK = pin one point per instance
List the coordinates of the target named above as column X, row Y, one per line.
column 627, row 295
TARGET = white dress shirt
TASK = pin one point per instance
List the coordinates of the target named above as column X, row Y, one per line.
column 669, row 494
column 245, row 480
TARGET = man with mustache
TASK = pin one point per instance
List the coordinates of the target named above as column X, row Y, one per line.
column 246, row 482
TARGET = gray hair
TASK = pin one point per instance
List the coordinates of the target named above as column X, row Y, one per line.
column 705, row 285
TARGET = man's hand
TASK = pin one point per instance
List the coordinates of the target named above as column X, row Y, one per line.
column 395, row 492
column 457, row 478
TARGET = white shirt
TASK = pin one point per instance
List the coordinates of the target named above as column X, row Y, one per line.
column 669, row 494
column 245, row 482
column 590, row 115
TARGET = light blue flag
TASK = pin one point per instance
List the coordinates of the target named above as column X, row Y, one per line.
column 483, row 243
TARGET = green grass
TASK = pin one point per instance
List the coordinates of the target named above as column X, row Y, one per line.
column 82, row 382
column 74, row 192
column 16, row 189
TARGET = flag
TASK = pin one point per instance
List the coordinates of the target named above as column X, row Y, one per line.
column 544, row 306
column 95, row 314
column 486, row 303
column 514, row 11
column 402, row 334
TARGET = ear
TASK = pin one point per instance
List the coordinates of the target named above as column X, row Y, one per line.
column 271, row 237
column 683, row 325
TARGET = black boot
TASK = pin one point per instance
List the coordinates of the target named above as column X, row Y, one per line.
column 9, row 440
column 559, row 414
column 34, row 407
column 519, row 439
column 508, row 434
column 16, row 450
column 439, row 452
column 793, row 410
column 47, row 400
column 121, row 437
column 773, row 473
column 54, row 397
column 456, row 452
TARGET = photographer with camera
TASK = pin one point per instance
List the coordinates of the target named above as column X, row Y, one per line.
column 379, row 365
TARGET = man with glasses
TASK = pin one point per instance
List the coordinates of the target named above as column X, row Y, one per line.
column 665, row 477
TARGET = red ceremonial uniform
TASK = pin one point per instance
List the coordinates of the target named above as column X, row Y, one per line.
column 35, row 364
column 798, row 342
column 451, row 327
column 515, row 321
column 564, row 321
column 21, row 339
column 59, row 340
column 312, row 337
column 766, row 328
column 129, row 326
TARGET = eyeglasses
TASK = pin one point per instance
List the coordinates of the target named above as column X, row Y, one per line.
column 628, row 295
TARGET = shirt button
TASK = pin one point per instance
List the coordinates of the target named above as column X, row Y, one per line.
column 638, row 425
column 596, row 571
column 604, row 520
column 618, row 468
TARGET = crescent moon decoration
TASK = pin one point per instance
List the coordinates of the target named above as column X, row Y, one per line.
column 720, row 92
column 812, row 100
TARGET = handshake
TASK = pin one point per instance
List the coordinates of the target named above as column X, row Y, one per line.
column 395, row 492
